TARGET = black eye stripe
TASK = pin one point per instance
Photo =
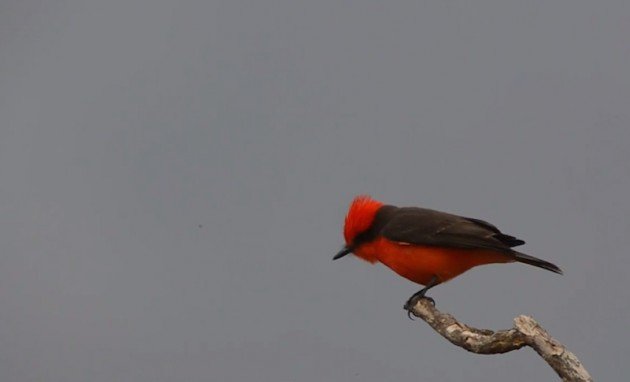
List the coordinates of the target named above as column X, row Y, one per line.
column 382, row 217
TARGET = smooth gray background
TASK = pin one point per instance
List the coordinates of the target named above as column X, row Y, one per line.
column 174, row 177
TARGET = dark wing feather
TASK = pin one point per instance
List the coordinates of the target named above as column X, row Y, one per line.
column 508, row 240
column 422, row 226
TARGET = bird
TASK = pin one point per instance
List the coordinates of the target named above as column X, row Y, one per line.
column 425, row 246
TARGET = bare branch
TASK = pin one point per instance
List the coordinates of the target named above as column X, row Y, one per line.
column 526, row 332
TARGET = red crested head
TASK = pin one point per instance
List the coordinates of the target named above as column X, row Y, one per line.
column 360, row 216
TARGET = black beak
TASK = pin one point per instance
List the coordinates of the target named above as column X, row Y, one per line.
column 342, row 253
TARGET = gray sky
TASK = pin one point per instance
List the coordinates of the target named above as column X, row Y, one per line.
column 175, row 174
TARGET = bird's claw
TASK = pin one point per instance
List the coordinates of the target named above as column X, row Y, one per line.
column 413, row 300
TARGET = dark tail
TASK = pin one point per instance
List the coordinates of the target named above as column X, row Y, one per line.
column 531, row 260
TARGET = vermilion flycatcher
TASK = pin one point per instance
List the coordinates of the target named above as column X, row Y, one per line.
column 425, row 246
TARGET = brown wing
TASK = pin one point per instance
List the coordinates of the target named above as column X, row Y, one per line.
column 422, row 226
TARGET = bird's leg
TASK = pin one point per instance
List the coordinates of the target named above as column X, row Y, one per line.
column 413, row 300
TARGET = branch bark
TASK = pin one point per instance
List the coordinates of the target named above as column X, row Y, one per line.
column 526, row 332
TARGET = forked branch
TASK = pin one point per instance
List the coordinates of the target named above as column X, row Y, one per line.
column 526, row 332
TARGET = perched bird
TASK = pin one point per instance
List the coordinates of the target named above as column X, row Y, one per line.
column 425, row 246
